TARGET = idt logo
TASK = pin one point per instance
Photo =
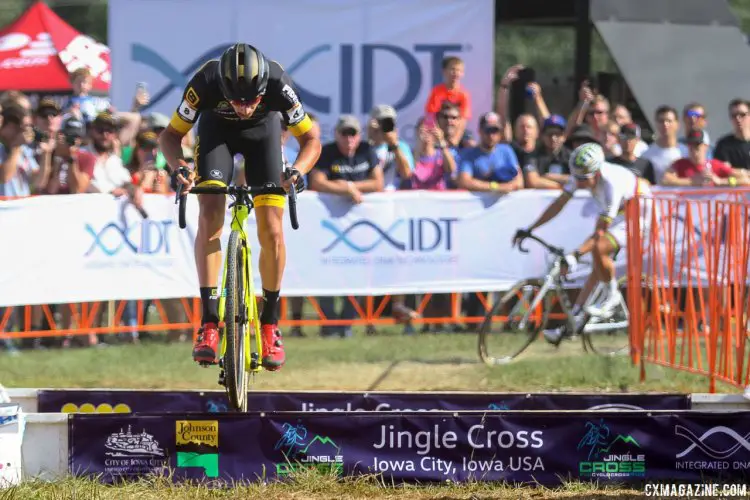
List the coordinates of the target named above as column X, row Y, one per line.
column 146, row 237
column 420, row 234
column 366, row 71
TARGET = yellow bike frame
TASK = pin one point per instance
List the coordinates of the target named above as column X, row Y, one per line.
column 240, row 214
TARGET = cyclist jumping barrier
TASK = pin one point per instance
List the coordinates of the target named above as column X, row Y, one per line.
column 526, row 438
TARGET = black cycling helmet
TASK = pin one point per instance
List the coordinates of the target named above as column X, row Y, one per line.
column 243, row 72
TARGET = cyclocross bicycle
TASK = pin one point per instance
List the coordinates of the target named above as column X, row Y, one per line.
column 516, row 320
column 239, row 318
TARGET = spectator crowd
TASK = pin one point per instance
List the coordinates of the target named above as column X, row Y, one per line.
column 76, row 148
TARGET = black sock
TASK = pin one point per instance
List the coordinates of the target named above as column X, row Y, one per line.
column 270, row 313
column 210, row 304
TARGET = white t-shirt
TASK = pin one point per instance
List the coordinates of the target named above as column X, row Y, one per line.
column 109, row 174
column 662, row 158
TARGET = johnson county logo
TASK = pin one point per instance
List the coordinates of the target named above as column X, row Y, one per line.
column 608, row 455
column 303, row 449
column 197, row 445
column 402, row 241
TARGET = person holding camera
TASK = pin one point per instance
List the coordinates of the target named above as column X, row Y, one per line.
column 20, row 173
column 142, row 165
column 394, row 154
column 72, row 167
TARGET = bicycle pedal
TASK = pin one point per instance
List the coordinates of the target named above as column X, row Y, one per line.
column 204, row 364
column 222, row 379
column 254, row 361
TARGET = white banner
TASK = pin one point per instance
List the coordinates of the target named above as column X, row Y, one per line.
column 344, row 55
column 11, row 440
column 92, row 247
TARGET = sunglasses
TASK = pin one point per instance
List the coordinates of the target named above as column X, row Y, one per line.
column 105, row 130
column 694, row 114
column 245, row 103
column 491, row 130
column 49, row 115
column 348, row 132
column 449, row 117
column 594, row 112
column 740, row 114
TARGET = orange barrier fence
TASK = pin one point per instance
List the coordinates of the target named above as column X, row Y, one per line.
column 688, row 283
column 183, row 315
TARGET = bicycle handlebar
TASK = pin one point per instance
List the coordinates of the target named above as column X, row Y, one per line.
column 552, row 249
column 235, row 191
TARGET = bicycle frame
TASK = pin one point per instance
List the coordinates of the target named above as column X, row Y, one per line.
column 553, row 282
column 240, row 214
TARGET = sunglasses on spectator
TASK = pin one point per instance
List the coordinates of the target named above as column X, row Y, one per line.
column 739, row 114
column 594, row 112
column 491, row 130
column 105, row 130
column 449, row 116
column 348, row 132
column 49, row 114
column 694, row 114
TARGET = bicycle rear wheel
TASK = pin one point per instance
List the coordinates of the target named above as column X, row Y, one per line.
column 610, row 337
column 236, row 321
column 501, row 336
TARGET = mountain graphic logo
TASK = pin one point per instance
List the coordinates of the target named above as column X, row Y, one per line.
column 301, row 449
column 197, row 445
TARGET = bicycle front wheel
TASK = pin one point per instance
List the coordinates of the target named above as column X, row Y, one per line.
column 512, row 324
column 236, row 321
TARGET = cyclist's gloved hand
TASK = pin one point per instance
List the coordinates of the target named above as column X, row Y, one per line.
column 175, row 181
column 299, row 183
column 521, row 235
column 571, row 263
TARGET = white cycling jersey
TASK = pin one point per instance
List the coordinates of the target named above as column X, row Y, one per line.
column 616, row 185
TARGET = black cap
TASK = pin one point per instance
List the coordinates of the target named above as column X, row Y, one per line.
column 583, row 133
column 696, row 137
column 630, row 131
column 45, row 105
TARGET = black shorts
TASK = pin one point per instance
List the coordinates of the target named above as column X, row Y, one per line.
column 218, row 141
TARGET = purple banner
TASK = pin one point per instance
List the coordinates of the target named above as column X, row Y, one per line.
column 114, row 401
column 546, row 447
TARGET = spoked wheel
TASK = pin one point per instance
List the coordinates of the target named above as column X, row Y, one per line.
column 236, row 322
column 511, row 325
column 609, row 342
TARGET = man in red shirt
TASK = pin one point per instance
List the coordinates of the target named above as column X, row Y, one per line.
column 696, row 170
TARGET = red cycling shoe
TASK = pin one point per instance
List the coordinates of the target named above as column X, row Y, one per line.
column 273, row 347
column 207, row 345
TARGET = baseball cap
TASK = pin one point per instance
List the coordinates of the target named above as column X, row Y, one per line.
column 554, row 121
column 105, row 119
column 72, row 126
column 147, row 139
column 630, row 131
column 47, row 104
column 348, row 121
column 157, row 120
column 696, row 137
column 583, row 132
column 382, row 111
column 489, row 120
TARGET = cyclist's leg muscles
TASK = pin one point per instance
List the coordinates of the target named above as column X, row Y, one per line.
column 214, row 167
column 263, row 164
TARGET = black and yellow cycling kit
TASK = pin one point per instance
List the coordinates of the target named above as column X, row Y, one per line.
column 222, row 134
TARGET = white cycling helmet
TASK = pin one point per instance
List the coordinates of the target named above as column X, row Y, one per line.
column 586, row 160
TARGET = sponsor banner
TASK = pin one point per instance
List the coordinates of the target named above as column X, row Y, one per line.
column 393, row 243
column 542, row 448
column 349, row 56
column 106, row 401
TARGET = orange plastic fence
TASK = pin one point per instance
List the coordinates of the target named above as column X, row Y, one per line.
column 184, row 315
column 688, row 283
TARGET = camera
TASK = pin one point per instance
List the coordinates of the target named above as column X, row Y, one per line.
column 40, row 136
column 70, row 139
column 387, row 124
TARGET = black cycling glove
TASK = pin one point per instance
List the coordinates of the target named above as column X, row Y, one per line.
column 175, row 182
column 299, row 184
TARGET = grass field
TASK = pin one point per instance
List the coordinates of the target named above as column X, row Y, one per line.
column 388, row 361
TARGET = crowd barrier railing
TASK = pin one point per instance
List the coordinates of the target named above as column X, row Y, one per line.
column 688, row 283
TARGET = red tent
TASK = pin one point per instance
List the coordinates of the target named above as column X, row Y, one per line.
column 39, row 50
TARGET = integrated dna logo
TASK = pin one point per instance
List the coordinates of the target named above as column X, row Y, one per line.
column 699, row 442
column 144, row 237
column 420, row 234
